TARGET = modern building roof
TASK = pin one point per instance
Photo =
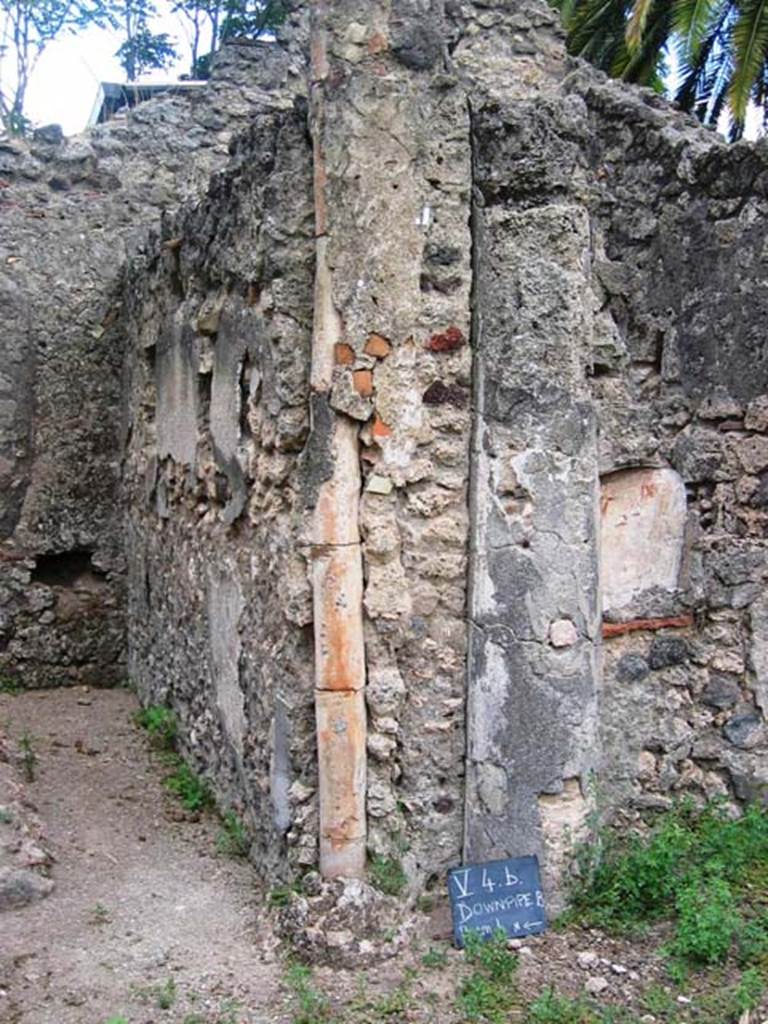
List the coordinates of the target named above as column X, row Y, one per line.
column 115, row 96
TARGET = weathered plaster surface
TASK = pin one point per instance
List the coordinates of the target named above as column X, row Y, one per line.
column 642, row 533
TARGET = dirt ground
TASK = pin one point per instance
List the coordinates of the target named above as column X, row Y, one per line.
column 141, row 899
column 150, row 923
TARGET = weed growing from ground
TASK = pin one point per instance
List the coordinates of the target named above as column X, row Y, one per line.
column 98, row 914
column 163, row 996
column 232, row 839
column 229, row 1010
column 281, row 895
column 6, row 818
column 435, row 958
column 387, row 875
column 706, row 921
column 731, row 1002
column 160, row 724
column 166, row 994
column 393, row 1006
column 312, row 1006
column 28, row 755
column 552, row 1008
column 489, row 993
column 702, row 868
column 659, row 1002
column 193, row 791
column 116, row 1020
column 10, row 686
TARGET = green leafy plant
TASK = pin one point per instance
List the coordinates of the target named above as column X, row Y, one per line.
column 166, row 994
column 98, row 914
column 730, row 1002
column 160, row 724
column 9, row 685
column 28, row 755
column 228, row 1013
column 387, row 875
column 194, row 793
column 701, row 867
column 435, row 958
column 752, row 942
column 749, row 990
column 232, row 840
column 116, row 1020
column 281, row 895
column 489, row 993
column 312, row 1007
column 659, row 1002
column 552, row 1008
column 706, row 921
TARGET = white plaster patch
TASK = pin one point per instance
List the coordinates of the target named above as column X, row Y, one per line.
column 224, row 606
column 176, row 398
column 642, row 528
column 759, row 651
column 490, row 693
column 563, row 823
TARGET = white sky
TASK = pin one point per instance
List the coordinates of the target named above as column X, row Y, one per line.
column 64, row 85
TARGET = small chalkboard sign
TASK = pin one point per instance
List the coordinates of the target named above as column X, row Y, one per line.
column 502, row 894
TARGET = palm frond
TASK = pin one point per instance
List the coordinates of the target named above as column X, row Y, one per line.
column 636, row 24
column 693, row 19
column 749, row 40
column 595, row 25
column 645, row 64
column 704, row 75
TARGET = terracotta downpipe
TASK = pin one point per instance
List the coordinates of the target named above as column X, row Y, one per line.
column 337, row 571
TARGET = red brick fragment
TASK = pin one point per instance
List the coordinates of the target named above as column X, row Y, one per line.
column 363, row 382
column 448, row 341
column 343, row 354
column 378, row 346
column 380, row 428
column 617, row 628
column 377, row 43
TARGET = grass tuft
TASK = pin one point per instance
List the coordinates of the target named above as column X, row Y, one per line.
column 312, row 1007
column 489, row 994
column 232, row 840
column 387, row 875
column 194, row 792
column 160, row 724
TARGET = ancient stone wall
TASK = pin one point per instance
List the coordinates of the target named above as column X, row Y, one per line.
column 218, row 417
column 548, row 293
column 679, row 379
column 612, row 218
column 73, row 212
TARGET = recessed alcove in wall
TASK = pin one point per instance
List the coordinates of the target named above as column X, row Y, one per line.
column 63, row 568
column 642, row 517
